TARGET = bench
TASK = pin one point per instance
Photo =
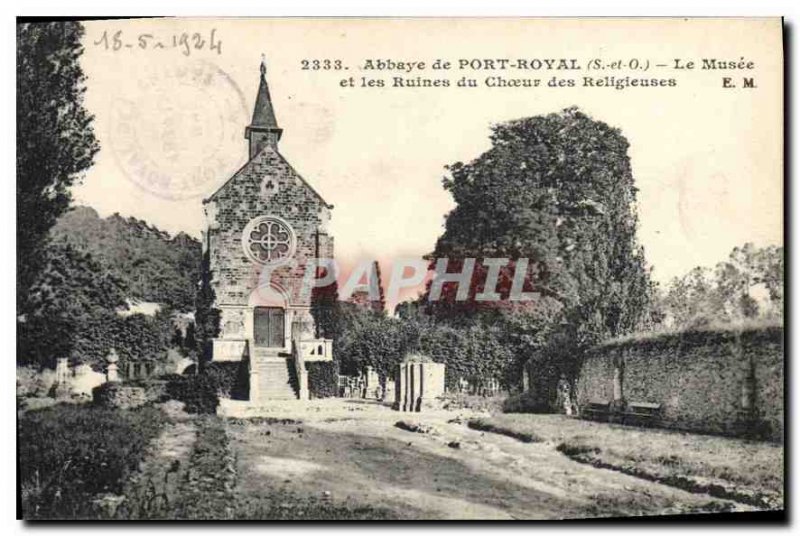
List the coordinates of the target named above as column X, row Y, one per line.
column 595, row 410
column 642, row 413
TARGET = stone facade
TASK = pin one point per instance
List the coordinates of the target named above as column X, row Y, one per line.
column 265, row 203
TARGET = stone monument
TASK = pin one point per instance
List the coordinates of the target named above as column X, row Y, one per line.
column 418, row 383
column 112, row 374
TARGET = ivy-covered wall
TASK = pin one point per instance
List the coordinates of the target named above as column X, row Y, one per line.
column 704, row 379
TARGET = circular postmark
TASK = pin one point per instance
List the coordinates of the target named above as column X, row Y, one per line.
column 173, row 129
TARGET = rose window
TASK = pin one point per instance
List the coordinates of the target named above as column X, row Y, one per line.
column 268, row 240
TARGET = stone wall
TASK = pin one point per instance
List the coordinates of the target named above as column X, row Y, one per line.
column 722, row 381
column 114, row 395
column 245, row 197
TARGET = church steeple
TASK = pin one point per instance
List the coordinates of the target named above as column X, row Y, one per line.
column 263, row 128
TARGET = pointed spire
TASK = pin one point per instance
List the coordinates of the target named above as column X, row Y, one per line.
column 263, row 114
column 263, row 128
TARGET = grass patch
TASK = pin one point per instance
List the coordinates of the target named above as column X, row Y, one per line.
column 485, row 425
column 287, row 505
column 750, row 472
column 257, row 421
column 459, row 401
column 206, row 491
column 69, row 454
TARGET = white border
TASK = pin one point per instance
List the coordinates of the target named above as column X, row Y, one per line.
column 208, row 8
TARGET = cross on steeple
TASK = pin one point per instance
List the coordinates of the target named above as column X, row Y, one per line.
column 263, row 129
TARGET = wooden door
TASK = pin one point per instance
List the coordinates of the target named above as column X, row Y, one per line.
column 268, row 325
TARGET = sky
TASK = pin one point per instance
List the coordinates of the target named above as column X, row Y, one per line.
column 707, row 161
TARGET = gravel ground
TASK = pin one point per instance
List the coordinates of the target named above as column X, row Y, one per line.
column 354, row 453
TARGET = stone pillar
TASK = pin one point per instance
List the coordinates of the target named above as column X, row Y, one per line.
column 62, row 370
column 304, row 389
column 253, row 384
column 619, row 365
column 112, row 373
column 400, row 388
column 526, row 380
column 412, row 386
column 747, row 414
column 61, row 387
column 418, row 384
column 431, row 381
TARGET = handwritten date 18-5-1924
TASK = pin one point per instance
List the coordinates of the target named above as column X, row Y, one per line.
column 185, row 42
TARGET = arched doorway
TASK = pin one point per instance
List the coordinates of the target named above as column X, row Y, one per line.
column 269, row 327
column 270, row 305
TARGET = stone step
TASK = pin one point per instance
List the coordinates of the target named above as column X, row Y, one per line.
column 274, row 380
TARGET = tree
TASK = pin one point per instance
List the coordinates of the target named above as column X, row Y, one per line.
column 729, row 292
column 207, row 317
column 55, row 139
column 155, row 266
column 72, row 309
column 559, row 191
column 691, row 300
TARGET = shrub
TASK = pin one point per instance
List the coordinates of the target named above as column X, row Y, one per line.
column 68, row 454
column 374, row 340
column 155, row 390
column 199, row 392
column 472, row 352
column 526, row 402
column 116, row 395
column 323, row 378
column 34, row 382
column 228, row 378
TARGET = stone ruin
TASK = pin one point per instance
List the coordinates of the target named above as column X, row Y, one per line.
column 419, row 382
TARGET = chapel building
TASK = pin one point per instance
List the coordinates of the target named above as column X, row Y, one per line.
column 263, row 225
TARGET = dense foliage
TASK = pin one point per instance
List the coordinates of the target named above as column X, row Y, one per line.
column 231, row 378
column 557, row 190
column 206, row 316
column 323, row 379
column 197, row 391
column 74, row 313
column 749, row 284
column 68, row 454
column 71, row 305
column 55, row 138
column 476, row 352
column 154, row 266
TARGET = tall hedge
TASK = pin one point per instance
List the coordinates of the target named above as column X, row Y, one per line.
column 382, row 342
column 323, row 379
column 230, row 378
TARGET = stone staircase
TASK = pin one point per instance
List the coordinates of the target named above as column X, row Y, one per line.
column 274, row 379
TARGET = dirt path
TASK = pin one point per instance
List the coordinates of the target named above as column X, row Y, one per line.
column 153, row 491
column 352, row 453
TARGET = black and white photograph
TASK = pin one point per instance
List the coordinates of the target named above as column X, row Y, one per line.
column 400, row 268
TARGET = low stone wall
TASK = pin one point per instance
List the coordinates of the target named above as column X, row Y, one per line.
column 723, row 381
column 115, row 395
